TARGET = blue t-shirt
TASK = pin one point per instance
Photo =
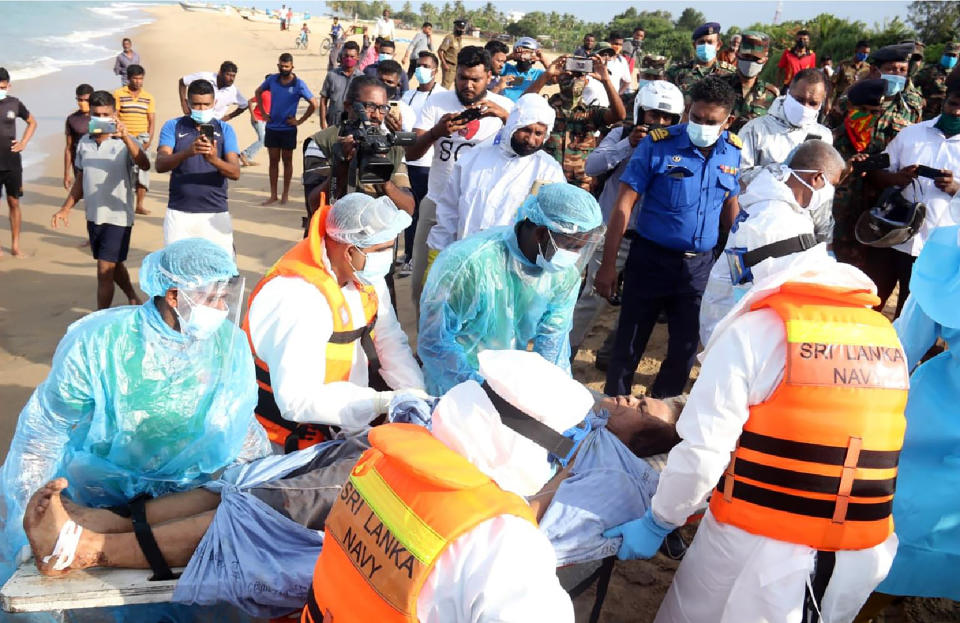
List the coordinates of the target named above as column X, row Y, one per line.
column 529, row 77
column 683, row 192
column 284, row 99
column 196, row 185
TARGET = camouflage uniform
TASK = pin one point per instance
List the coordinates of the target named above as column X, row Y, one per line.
column 847, row 72
column 685, row 75
column 754, row 104
column 932, row 82
column 573, row 138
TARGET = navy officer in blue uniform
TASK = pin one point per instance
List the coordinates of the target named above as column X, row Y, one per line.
column 689, row 177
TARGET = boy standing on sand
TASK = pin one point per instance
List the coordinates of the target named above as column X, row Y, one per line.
column 11, row 168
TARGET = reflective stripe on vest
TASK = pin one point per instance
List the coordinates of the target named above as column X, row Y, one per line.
column 408, row 497
column 305, row 261
column 816, row 463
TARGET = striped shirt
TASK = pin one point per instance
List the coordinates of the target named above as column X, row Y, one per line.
column 133, row 110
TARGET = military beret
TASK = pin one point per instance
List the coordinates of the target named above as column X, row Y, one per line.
column 755, row 41
column 952, row 48
column 892, row 53
column 653, row 64
column 710, row 28
column 867, row 92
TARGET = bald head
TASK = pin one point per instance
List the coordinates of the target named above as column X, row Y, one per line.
column 817, row 155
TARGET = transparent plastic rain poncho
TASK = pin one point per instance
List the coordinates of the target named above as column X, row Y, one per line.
column 130, row 407
column 482, row 293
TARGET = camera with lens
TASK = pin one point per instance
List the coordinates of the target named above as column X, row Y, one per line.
column 373, row 144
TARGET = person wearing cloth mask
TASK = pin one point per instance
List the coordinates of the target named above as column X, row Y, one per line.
column 508, row 286
column 578, row 123
column 796, row 59
column 488, row 185
column 521, row 73
column 773, row 217
column 449, row 52
column 199, row 169
column 387, row 49
column 797, row 453
column 706, row 42
column 926, row 506
column 658, row 104
column 141, row 400
column 689, row 177
column 327, row 296
column 485, row 560
column 441, row 125
column 335, row 85
column 936, row 144
column 850, row 71
column 792, row 119
column 754, row 96
column 932, row 80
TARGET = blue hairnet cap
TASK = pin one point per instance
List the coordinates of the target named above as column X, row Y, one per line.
column 188, row 263
column 563, row 208
column 935, row 281
column 363, row 221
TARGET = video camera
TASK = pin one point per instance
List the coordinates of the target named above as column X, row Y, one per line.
column 373, row 145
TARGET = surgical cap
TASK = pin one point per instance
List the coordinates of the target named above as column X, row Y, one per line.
column 188, row 263
column 562, row 208
column 363, row 221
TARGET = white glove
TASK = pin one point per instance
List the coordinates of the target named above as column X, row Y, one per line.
column 381, row 402
column 416, row 393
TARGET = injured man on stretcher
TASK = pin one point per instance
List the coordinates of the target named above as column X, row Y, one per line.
column 252, row 537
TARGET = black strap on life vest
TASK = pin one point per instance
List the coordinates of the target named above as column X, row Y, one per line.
column 814, row 483
column 267, row 408
column 534, row 430
column 779, row 248
column 817, row 587
column 799, row 505
column 148, row 544
column 816, row 453
column 314, row 613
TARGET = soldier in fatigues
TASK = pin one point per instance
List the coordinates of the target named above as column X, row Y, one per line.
column 754, row 96
column 575, row 130
column 932, row 80
column 652, row 67
column 706, row 42
column 849, row 71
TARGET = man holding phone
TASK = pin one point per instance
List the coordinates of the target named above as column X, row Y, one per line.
column 521, row 73
column 106, row 161
column 201, row 154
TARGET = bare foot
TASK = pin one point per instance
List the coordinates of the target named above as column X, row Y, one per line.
column 135, row 300
column 243, row 161
column 101, row 520
column 20, row 255
column 85, row 243
column 269, row 202
column 42, row 521
column 284, row 200
column 251, row 163
column 142, row 210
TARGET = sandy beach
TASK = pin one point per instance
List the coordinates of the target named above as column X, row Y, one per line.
column 43, row 294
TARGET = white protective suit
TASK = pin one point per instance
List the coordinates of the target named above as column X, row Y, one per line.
column 503, row 570
column 772, row 214
column 290, row 325
column 729, row 575
column 770, row 139
column 488, row 183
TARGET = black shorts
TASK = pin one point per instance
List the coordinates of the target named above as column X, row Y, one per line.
column 284, row 139
column 109, row 243
column 11, row 182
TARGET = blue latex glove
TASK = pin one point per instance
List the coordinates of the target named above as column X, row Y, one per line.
column 641, row 537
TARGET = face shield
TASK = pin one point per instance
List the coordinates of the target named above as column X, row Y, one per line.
column 569, row 251
column 203, row 309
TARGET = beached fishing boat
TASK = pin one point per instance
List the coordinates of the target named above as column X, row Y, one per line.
column 202, row 7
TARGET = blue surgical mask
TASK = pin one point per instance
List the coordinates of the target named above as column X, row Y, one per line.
column 423, row 75
column 3, row 94
column 860, row 57
column 385, row 57
column 201, row 116
column 894, row 84
column 703, row 135
column 641, row 83
column 562, row 258
column 947, row 61
column 706, row 52
column 376, row 267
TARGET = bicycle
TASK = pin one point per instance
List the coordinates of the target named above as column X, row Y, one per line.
column 302, row 41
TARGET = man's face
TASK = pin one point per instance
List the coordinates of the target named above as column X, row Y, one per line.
column 639, row 35
column 865, row 49
column 713, row 40
column 82, row 100
column 349, row 53
column 752, row 56
column 102, row 112
column 809, row 94
column 589, row 42
column 709, row 113
column 426, row 61
column 428, row 30
column 651, row 76
column 896, row 68
column 285, row 68
column 951, row 105
column 5, row 84
column 201, row 102
column 135, row 82
column 374, row 99
column 617, row 45
column 735, row 43
column 498, row 59
column 393, row 84
column 387, row 49
column 528, row 139
column 803, row 41
column 657, row 118
column 471, row 84
column 127, row 45
column 386, row 15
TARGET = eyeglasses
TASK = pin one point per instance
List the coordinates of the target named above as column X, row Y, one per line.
column 372, row 107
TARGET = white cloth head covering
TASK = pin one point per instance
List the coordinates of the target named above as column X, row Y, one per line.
column 466, row 421
column 531, row 108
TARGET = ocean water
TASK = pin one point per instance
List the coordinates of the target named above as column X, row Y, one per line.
column 40, row 38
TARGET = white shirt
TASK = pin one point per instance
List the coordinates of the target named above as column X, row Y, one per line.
column 384, row 28
column 922, row 143
column 415, row 100
column 486, row 188
column 223, row 98
column 450, row 148
column 290, row 325
column 594, row 94
column 619, row 69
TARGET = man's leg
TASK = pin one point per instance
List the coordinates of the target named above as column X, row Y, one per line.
column 15, row 218
column 161, row 510
column 425, row 221
column 903, row 268
column 683, row 323
column 274, row 153
column 419, row 177
column 287, row 174
column 122, row 278
column 878, row 266
column 105, row 283
column 141, row 193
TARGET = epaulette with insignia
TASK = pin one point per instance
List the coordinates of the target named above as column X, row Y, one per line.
column 659, row 134
column 734, row 140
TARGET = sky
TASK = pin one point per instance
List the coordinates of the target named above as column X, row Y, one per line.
column 726, row 12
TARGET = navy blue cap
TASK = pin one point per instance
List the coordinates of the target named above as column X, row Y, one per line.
column 710, row 28
column 892, row 53
column 867, row 92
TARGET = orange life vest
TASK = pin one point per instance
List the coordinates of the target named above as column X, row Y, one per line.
column 305, row 260
column 816, row 463
column 408, row 497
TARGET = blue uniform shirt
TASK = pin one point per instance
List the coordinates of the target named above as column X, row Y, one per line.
column 510, row 72
column 683, row 192
column 196, row 185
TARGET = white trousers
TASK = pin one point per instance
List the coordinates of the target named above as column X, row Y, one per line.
column 214, row 226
